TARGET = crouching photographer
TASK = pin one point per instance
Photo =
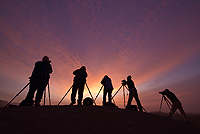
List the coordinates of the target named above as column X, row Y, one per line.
column 176, row 104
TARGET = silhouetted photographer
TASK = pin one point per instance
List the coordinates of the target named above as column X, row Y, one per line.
column 38, row 81
column 132, row 93
column 79, row 83
column 176, row 104
column 108, row 87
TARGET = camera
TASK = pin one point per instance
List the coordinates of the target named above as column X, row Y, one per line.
column 48, row 62
column 123, row 82
column 161, row 93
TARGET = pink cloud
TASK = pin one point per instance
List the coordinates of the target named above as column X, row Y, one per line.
column 144, row 40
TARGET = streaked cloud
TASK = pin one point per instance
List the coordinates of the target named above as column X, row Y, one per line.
column 147, row 40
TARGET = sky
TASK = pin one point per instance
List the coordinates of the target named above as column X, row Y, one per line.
column 156, row 42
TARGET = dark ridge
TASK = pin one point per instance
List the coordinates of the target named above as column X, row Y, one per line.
column 87, row 120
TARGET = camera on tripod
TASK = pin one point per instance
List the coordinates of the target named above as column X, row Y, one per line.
column 48, row 62
column 161, row 93
column 123, row 82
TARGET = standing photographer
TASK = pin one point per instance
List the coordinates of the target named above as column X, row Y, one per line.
column 176, row 104
column 132, row 93
column 79, row 83
column 108, row 87
column 38, row 81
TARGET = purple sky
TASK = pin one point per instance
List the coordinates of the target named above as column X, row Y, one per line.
column 157, row 42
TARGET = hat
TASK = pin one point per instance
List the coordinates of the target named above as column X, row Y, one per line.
column 45, row 58
column 129, row 77
column 83, row 68
column 167, row 90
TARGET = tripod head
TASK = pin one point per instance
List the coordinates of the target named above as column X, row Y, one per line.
column 123, row 82
column 162, row 93
column 163, row 96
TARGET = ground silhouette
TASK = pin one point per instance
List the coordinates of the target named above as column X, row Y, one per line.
column 87, row 120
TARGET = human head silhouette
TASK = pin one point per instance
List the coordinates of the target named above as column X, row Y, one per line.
column 46, row 59
column 83, row 68
column 166, row 90
column 106, row 76
column 129, row 77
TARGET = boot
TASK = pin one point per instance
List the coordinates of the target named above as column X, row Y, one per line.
column 80, row 103
column 26, row 103
column 37, row 103
column 72, row 103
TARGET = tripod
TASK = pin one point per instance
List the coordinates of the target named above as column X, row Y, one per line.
column 167, row 102
column 99, row 93
column 124, row 86
column 17, row 94
column 71, row 88
column 49, row 95
column 25, row 88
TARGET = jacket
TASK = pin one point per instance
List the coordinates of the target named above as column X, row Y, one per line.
column 80, row 76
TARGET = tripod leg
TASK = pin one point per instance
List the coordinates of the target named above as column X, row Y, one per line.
column 90, row 93
column 161, row 104
column 127, row 88
column 49, row 95
column 168, row 105
column 17, row 94
column 124, row 96
column 98, row 93
column 113, row 100
column 168, row 101
column 116, row 92
column 64, row 96
column 144, row 109
column 44, row 96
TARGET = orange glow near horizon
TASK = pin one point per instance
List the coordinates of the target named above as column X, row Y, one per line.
column 157, row 43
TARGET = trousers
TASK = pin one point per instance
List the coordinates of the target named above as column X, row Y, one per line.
column 133, row 93
column 105, row 92
column 80, row 88
column 177, row 105
column 38, row 85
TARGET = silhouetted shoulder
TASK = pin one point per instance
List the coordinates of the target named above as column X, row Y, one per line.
column 75, row 72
